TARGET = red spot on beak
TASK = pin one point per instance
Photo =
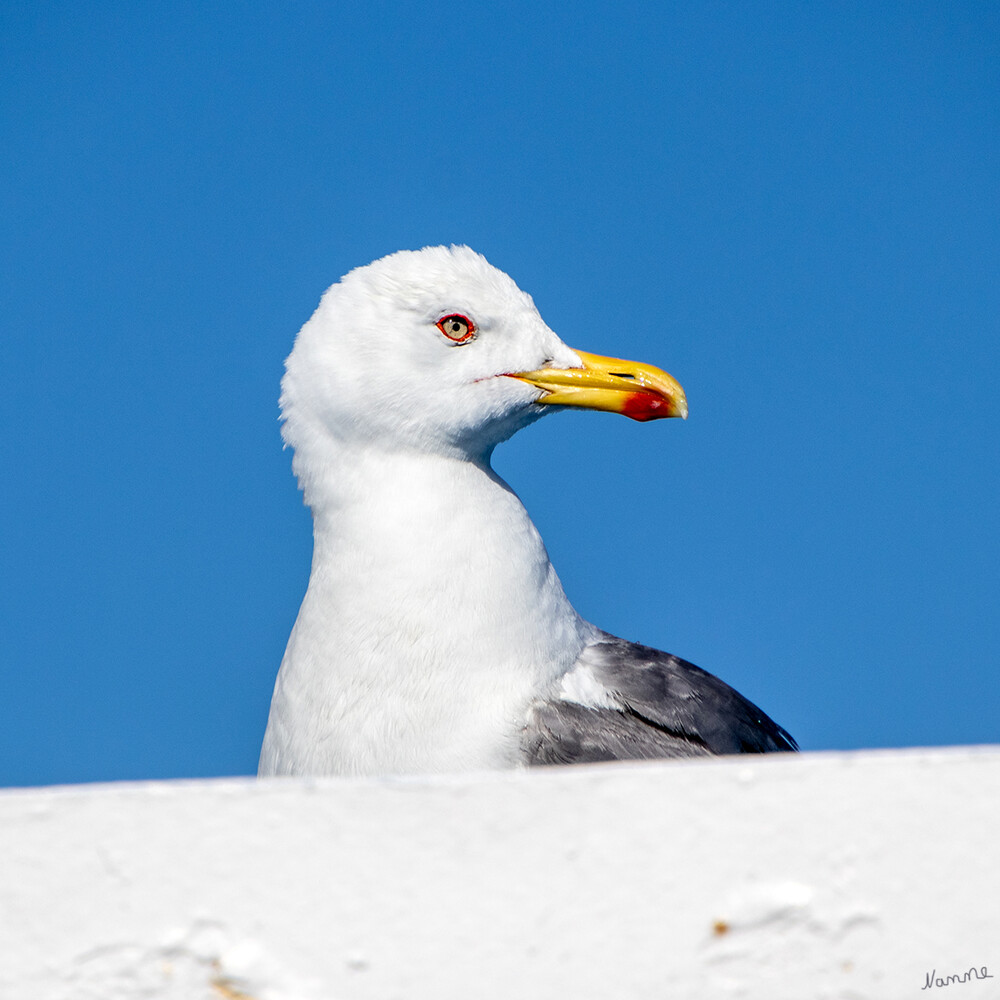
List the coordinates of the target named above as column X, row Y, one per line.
column 647, row 406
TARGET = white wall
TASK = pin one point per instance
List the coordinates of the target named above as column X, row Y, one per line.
column 813, row 876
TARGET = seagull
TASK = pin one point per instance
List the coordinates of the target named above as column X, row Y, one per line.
column 434, row 635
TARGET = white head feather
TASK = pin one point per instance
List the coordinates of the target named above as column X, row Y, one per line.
column 371, row 367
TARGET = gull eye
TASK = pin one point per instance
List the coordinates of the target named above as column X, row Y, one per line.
column 457, row 328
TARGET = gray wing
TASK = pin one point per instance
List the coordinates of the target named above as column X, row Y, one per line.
column 646, row 704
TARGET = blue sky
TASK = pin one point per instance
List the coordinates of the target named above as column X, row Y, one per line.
column 794, row 209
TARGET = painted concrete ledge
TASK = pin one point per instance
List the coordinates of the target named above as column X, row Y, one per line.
column 817, row 876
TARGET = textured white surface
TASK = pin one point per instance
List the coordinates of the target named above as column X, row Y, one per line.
column 814, row 876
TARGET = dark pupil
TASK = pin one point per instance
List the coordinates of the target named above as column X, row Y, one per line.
column 455, row 326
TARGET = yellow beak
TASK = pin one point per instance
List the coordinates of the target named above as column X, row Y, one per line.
column 639, row 391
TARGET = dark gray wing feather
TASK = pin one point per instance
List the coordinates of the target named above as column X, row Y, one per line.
column 661, row 706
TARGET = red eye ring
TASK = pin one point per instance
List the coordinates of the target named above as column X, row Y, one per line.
column 457, row 328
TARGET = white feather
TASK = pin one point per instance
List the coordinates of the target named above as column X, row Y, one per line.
column 580, row 686
column 433, row 616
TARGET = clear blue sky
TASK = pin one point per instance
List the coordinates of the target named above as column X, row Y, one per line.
column 793, row 208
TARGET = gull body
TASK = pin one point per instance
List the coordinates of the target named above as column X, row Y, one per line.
column 435, row 634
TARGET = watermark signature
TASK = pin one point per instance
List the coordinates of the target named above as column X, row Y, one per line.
column 933, row 979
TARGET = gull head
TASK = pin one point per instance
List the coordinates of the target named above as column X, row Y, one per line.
column 436, row 350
